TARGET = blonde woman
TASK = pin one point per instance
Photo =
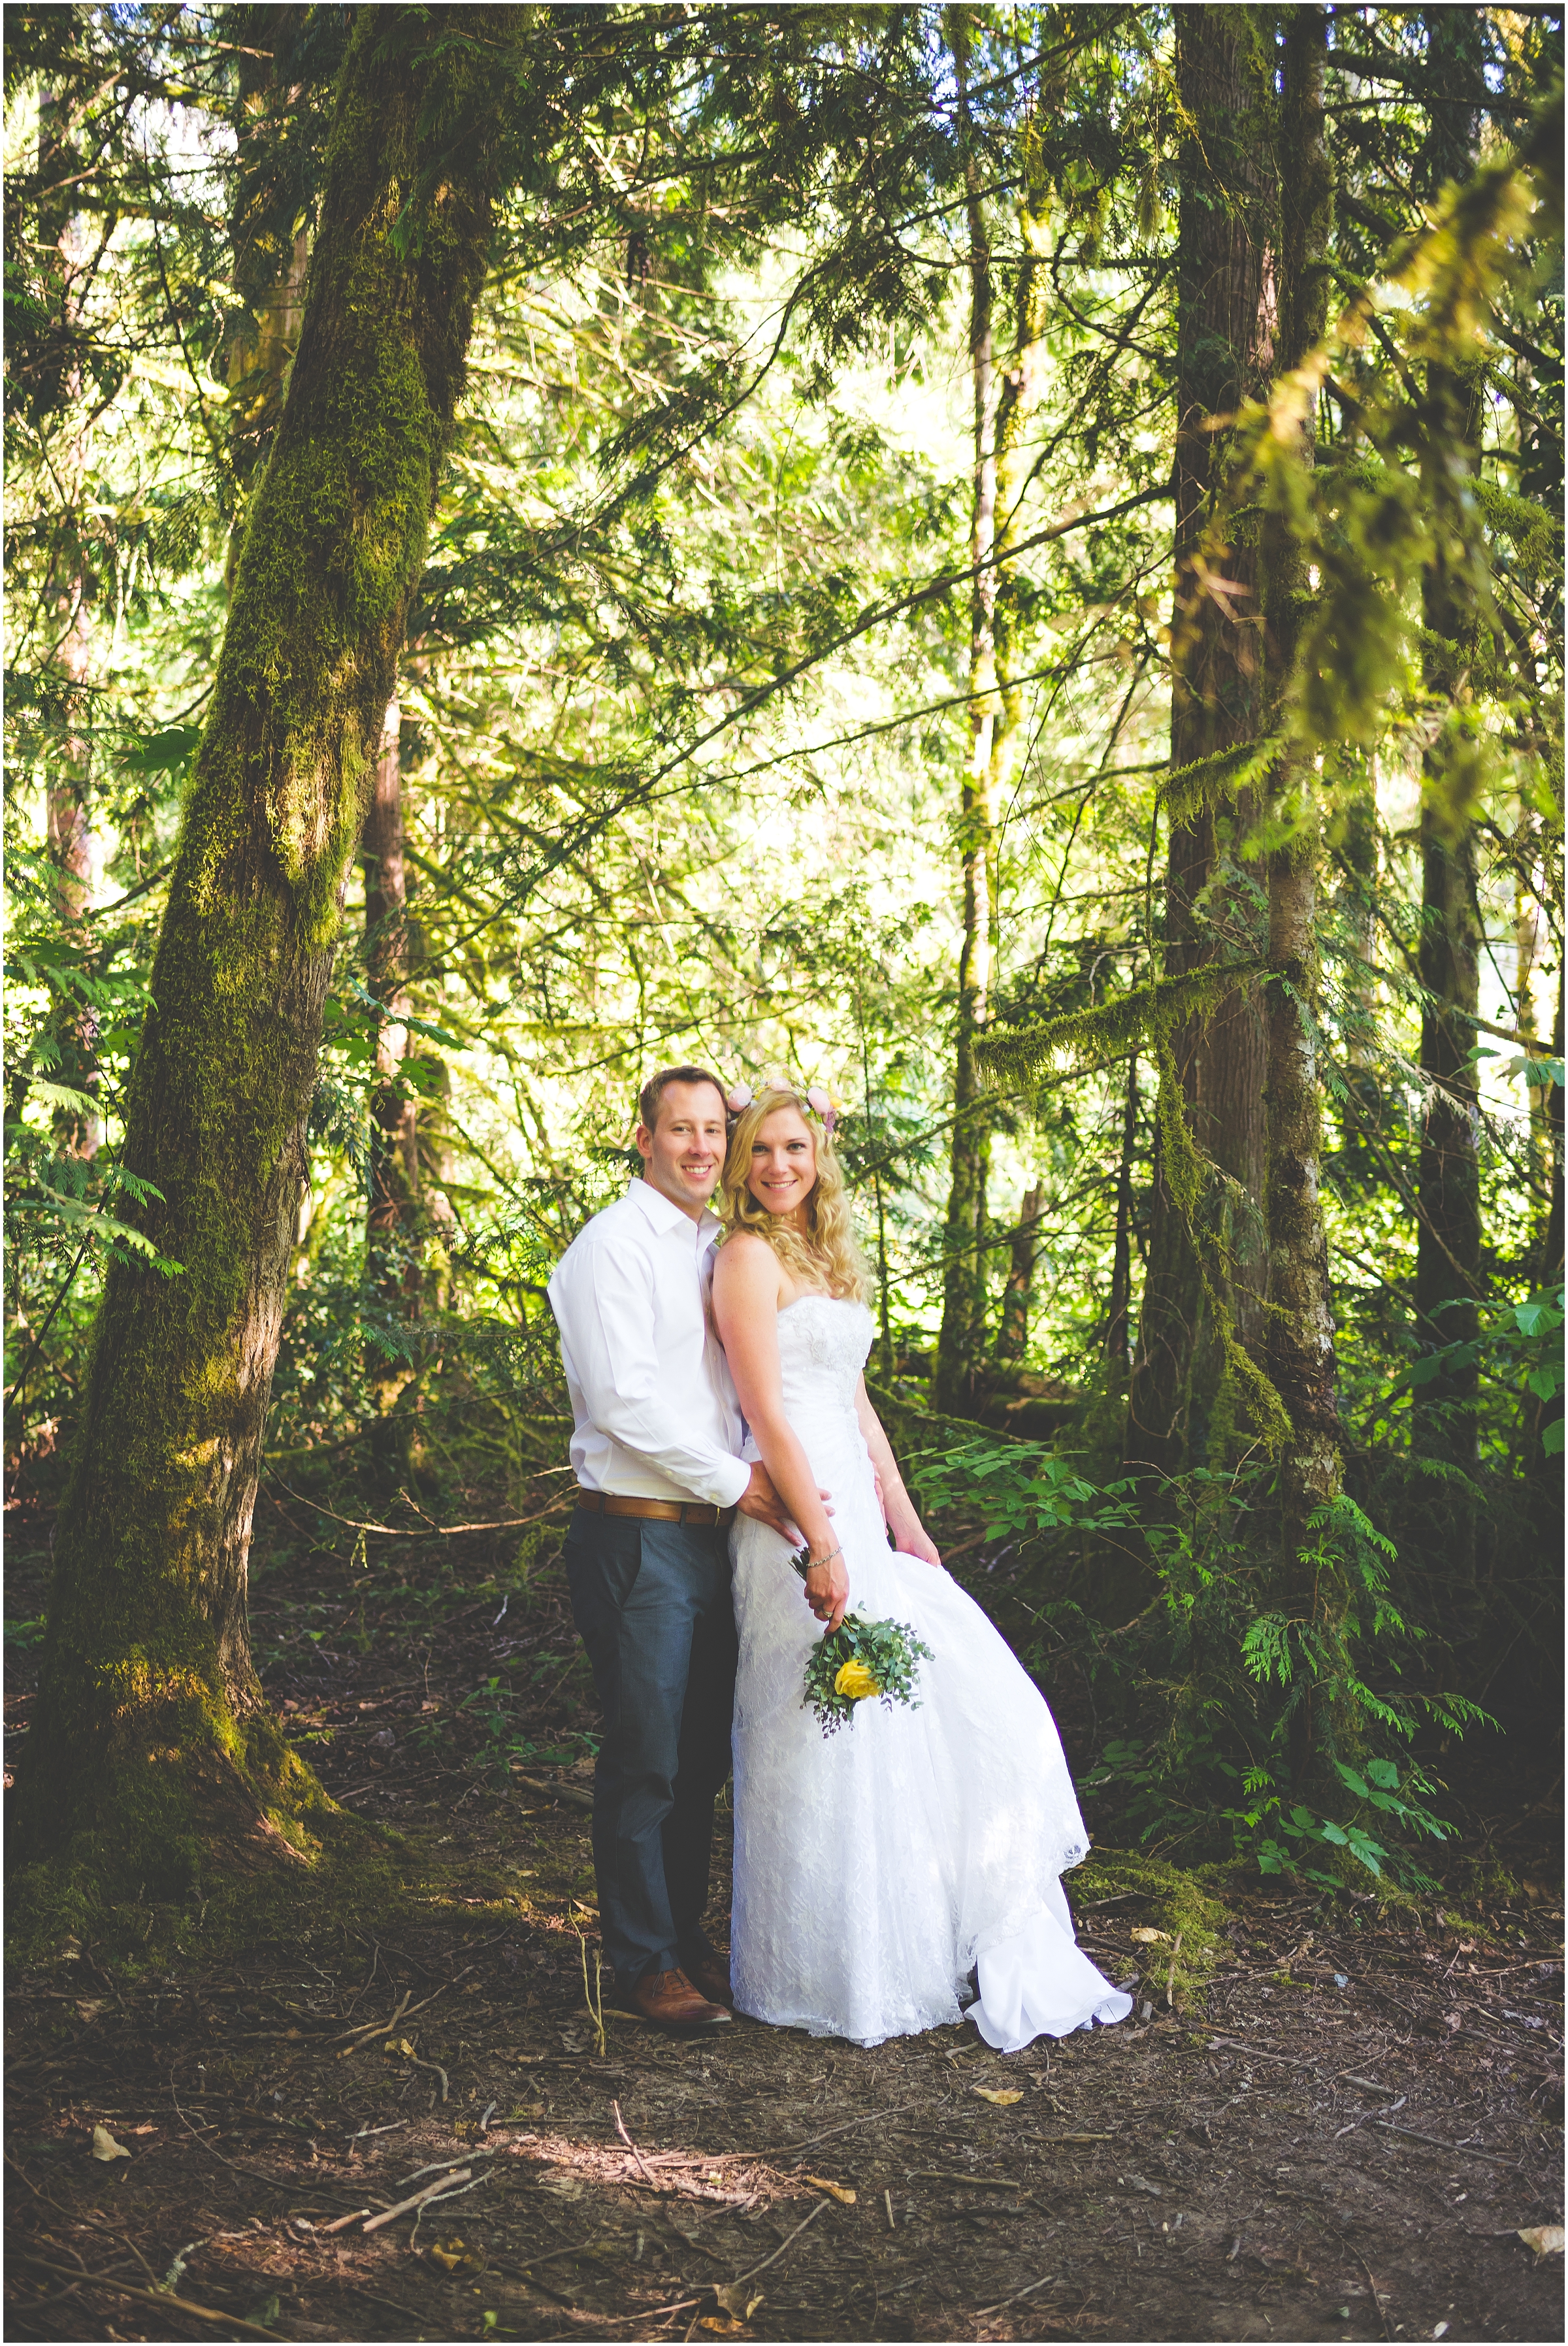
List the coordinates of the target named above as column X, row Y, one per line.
column 879, row 1872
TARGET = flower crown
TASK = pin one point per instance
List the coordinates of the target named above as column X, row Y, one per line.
column 822, row 1105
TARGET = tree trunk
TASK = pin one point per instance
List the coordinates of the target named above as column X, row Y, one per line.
column 1300, row 1338
column 1447, row 1183
column 271, row 254
column 69, row 832
column 392, row 1265
column 1225, row 332
column 152, row 1750
column 961, row 1341
column 1119, row 1317
column 392, row 1209
column 1012, row 1332
column 67, row 824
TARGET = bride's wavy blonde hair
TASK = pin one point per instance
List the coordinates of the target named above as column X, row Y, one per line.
column 827, row 1257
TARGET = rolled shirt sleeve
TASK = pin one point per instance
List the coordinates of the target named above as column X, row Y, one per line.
column 636, row 1362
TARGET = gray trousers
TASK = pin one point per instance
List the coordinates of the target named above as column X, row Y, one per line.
column 652, row 1602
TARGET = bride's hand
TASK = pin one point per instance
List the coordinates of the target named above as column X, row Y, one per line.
column 915, row 1540
column 828, row 1591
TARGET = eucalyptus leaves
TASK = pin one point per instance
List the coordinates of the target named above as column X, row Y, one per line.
column 860, row 1660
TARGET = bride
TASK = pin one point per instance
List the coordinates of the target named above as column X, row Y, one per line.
column 876, row 1870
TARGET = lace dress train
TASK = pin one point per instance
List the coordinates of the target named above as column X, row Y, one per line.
column 877, row 1868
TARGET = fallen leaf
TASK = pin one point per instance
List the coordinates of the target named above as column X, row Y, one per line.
column 448, row 2253
column 735, row 2299
column 835, row 2191
column 90, row 2008
column 106, row 2148
column 1002, row 2095
column 398, row 2044
column 1453, row 2020
column 1146, row 1937
column 565, row 2187
column 722, row 2328
column 1546, row 2239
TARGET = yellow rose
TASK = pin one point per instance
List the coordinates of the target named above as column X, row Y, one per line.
column 855, row 1681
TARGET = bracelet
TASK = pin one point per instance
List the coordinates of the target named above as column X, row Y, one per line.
column 820, row 1562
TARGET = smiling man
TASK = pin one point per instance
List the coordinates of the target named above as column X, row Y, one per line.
column 656, row 1441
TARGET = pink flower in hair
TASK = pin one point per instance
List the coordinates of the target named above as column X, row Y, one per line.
column 740, row 1096
column 822, row 1102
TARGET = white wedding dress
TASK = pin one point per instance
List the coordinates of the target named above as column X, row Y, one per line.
column 876, row 1868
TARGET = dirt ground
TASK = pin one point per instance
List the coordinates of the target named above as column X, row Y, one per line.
column 1342, row 2138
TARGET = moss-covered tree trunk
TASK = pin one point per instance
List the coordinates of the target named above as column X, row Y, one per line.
column 1018, row 1295
column 271, row 244
column 961, row 1340
column 1224, row 355
column 68, row 822
column 1300, row 1326
column 1448, row 1184
column 1119, row 1311
column 151, row 1746
column 393, row 1191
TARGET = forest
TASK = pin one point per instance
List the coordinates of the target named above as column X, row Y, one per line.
column 1005, row 562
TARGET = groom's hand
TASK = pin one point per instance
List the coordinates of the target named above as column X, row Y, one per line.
column 761, row 1499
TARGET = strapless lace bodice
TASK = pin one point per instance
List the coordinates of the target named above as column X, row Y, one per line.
column 823, row 1343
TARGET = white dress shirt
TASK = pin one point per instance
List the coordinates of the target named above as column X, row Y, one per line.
column 654, row 1413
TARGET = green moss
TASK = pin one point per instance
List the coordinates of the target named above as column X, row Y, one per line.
column 151, row 1758
column 1179, row 1966
column 354, row 1877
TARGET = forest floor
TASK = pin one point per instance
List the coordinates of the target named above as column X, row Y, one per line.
column 1340, row 2133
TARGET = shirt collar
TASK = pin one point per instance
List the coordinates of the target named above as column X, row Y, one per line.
column 665, row 1216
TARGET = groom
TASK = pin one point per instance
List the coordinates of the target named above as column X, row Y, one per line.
column 656, row 1439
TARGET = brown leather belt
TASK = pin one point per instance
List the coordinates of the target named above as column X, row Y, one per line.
column 656, row 1511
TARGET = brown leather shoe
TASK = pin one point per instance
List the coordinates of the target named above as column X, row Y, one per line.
column 669, row 2000
column 709, row 1974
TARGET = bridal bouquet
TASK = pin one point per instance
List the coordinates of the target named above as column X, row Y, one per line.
column 861, row 1658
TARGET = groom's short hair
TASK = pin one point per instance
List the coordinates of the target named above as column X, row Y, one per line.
column 654, row 1090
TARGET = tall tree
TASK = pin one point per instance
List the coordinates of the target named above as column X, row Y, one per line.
column 1448, row 1187
column 1300, row 1328
column 272, row 178
column 961, row 1337
column 152, row 1741
column 1225, row 337
column 394, row 1173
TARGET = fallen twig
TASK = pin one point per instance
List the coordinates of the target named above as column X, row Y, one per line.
column 621, row 2130
column 441, row 1531
column 787, row 2241
column 441, row 2165
column 1052, row 2141
column 368, row 2028
column 1045, row 2282
column 1372, row 2286
column 159, row 2298
column 341, row 2223
column 440, row 2072
column 787, row 2150
column 417, row 2198
column 570, row 1794
column 951, row 2175
column 1459, row 2149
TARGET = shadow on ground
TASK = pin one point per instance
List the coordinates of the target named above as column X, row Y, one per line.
column 1341, row 2135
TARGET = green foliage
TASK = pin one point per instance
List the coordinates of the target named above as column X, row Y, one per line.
column 1232, row 1678
column 1023, row 1489
column 685, row 711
